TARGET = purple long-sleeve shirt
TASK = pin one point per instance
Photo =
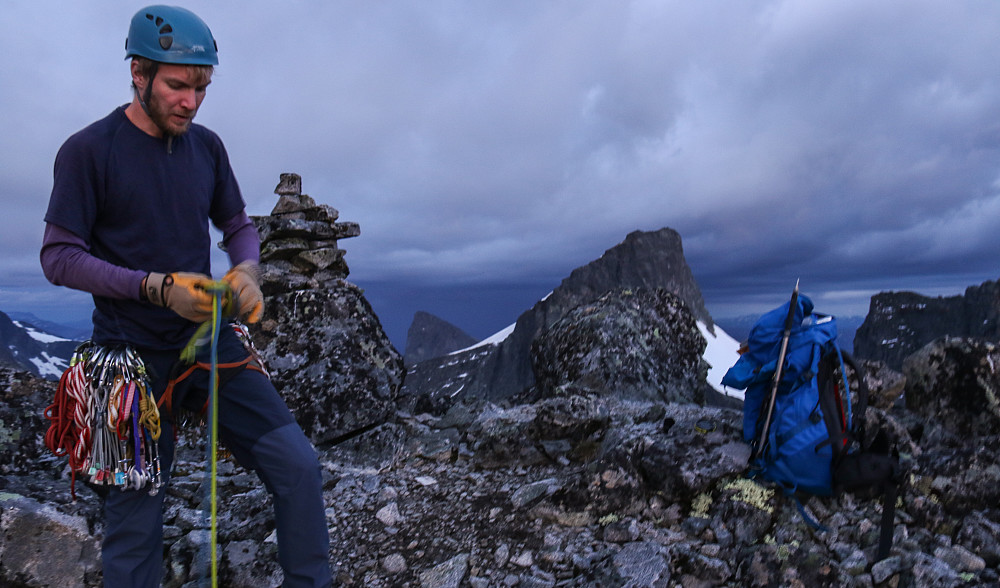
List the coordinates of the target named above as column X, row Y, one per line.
column 67, row 261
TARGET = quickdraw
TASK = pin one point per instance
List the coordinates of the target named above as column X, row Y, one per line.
column 104, row 419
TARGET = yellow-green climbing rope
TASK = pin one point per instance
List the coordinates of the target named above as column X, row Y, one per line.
column 222, row 305
column 218, row 291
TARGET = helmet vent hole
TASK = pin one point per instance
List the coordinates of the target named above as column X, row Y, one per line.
column 170, row 34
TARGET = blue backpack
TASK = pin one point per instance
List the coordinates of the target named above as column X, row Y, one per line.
column 809, row 440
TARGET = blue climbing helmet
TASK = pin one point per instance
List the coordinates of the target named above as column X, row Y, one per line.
column 170, row 34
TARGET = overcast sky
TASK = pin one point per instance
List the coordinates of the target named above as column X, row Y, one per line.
column 489, row 148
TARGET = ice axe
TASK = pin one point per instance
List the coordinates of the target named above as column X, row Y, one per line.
column 760, row 447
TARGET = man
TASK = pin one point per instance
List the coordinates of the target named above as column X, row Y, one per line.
column 128, row 222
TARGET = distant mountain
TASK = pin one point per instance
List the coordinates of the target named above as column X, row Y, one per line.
column 33, row 349
column 76, row 331
column 501, row 369
column 430, row 336
column 900, row 323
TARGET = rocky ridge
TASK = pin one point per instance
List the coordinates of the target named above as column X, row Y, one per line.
column 900, row 323
column 587, row 480
column 645, row 259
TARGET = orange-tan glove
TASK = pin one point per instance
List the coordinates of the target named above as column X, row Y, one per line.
column 244, row 280
column 182, row 292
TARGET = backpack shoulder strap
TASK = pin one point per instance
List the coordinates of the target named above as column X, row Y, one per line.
column 845, row 425
column 834, row 401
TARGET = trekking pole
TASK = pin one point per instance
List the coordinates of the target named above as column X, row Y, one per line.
column 760, row 447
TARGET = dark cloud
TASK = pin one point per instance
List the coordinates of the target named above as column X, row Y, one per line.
column 853, row 144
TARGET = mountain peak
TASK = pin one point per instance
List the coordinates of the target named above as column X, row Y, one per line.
column 430, row 336
column 644, row 259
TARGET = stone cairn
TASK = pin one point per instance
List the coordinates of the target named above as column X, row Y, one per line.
column 298, row 241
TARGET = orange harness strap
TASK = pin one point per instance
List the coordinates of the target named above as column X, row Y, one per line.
column 166, row 401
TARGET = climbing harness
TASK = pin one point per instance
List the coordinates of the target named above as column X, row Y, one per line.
column 184, row 369
column 104, row 419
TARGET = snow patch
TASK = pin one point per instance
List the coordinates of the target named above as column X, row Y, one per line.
column 49, row 366
column 38, row 335
column 721, row 353
column 493, row 339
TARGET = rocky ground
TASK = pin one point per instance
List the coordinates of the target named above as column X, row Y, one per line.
column 610, row 472
column 566, row 491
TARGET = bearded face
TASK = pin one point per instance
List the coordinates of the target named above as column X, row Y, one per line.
column 175, row 96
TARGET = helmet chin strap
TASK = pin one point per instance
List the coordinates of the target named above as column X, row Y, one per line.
column 145, row 96
column 144, row 99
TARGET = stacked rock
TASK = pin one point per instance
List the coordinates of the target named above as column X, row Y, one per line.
column 298, row 241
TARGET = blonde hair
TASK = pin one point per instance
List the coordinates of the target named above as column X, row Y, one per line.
column 148, row 69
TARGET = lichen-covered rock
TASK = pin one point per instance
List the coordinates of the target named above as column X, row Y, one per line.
column 955, row 382
column 331, row 360
column 325, row 347
column 581, row 491
column 448, row 574
column 885, row 385
column 684, row 461
column 635, row 344
column 24, row 398
column 644, row 563
column 960, row 478
column 501, row 439
column 980, row 534
column 552, row 430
